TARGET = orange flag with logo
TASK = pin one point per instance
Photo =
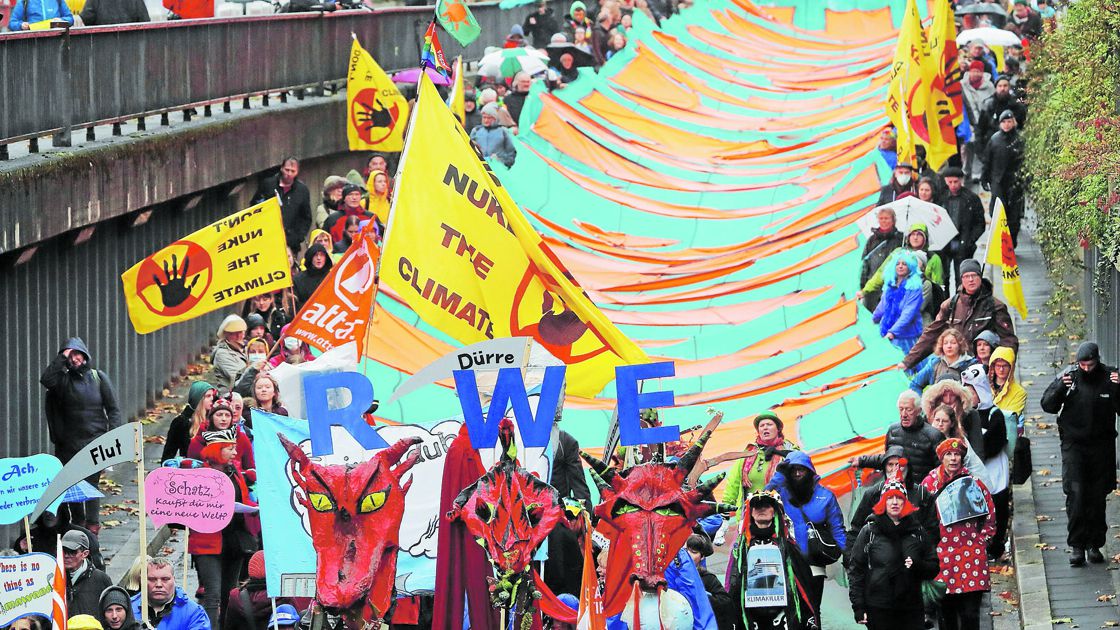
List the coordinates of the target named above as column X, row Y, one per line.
column 338, row 311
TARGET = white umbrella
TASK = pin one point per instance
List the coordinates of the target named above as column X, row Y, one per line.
column 911, row 210
column 505, row 63
column 988, row 35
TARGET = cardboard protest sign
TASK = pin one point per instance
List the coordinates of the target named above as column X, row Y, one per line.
column 766, row 578
column 115, row 447
column 28, row 586
column 22, row 481
column 199, row 498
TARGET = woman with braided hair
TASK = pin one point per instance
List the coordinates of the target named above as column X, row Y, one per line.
column 770, row 579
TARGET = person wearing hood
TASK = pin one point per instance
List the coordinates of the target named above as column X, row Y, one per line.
column 809, row 505
column 984, row 344
column 892, row 555
column 962, row 549
column 1001, row 172
column 902, row 181
column 884, row 239
column 899, row 312
column 950, row 357
column 976, row 88
column 577, row 20
column 81, row 406
column 1086, row 397
column 761, row 460
column 331, row 200
column 228, row 357
column 190, row 420
column 323, row 238
column 994, row 428
column 767, row 537
column 493, row 140
column 895, row 468
column 317, row 264
column 917, row 240
column 1007, row 393
column 377, row 204
column 972, row 309
column 116, row 610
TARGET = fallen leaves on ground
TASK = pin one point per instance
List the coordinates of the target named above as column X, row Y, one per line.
column 1057, row 621
column 1106, row 598
column 1042, row 426
column 110, row 524
column 1044, row 547
column 1110, row 624
column 1003, row 569
column 1009, row 597
column 155, row 439
column 1042, row 518
column 1045, row 472
column 109, row 486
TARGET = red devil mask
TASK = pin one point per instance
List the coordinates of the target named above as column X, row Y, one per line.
column 510, row 512
column 355, row 513
column 647, row 513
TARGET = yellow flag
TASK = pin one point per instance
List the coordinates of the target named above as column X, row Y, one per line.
column 906, row 96
column 221, row 265
column 457, row 98
column 1001, row 253
column 376, row 112
column 461, row 254
column 941, row 80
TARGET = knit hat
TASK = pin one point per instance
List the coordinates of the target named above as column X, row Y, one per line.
column 558, row 38
column 256, row 566
column 220, row 404
column 922, row 257
column 349, row 188
column 84, row 622
column 975, row 376
column 115, row 595
column 487, row 95
column 906, row 165
column 976, row 64
column 970, row 266
column 1088, row 351
column 226, row 436
column 253, row 320
column 577, row 5
column 894, row 488
column 768, row 415
column 196, row 393
column 490, row 109
column 988, row 337
column 516, row 31
column 951, row 444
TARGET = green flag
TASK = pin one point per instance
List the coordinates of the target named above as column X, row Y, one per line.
column 457, row 19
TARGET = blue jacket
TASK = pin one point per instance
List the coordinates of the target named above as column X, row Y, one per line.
column 185, row 614
column 925, row 374
column 31, row 11
column 822, row 509
column 495, row 141
column 899, row 312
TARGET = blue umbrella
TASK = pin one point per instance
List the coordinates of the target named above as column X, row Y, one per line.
column 81, row 492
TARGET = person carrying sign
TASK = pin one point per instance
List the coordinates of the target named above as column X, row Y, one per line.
column 769, row 578
column 81, row 405
column 968, row 521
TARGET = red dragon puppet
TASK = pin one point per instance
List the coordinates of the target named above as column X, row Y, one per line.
column 510, row 512
column 647, row 513
column 355, row 513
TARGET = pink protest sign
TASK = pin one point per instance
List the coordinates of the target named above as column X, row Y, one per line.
column 200, row 498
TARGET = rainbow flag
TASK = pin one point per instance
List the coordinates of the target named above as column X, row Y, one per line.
column 431, row 55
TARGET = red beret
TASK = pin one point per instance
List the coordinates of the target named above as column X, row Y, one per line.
column 976, row 65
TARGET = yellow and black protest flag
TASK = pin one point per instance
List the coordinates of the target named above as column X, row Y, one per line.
column 224, row 263
column 376, row 111
column 464, row 258
column 907, row 96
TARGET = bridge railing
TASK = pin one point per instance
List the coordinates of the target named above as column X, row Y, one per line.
column 60, row 80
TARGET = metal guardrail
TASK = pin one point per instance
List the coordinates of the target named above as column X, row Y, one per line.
column 1103, row 311
column 62, row 79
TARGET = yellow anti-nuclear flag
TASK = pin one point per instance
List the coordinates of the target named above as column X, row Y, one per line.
column 456, row 100
column 1001, row 253
column 462, row 255
column 906, row 96
column 376, row 111
column 221, row 265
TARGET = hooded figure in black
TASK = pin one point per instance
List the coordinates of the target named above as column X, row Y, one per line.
column 81, row 405
column 314, row 270
column 919, row 497
column 112, row 618
column 1086, row 398
column 766, row 526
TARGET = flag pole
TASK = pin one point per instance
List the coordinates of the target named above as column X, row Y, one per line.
column 143, row 526
column 27, row 532
column 186, row 554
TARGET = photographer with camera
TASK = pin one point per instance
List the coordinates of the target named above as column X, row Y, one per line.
column 1086, row 397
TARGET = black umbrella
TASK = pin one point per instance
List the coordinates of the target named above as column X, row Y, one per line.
column 580, row 57
column 982, row 9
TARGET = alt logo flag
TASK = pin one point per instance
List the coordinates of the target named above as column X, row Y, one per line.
column 219, row 266
column 376, row 111
column 1001, row 253
column 461, row 254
